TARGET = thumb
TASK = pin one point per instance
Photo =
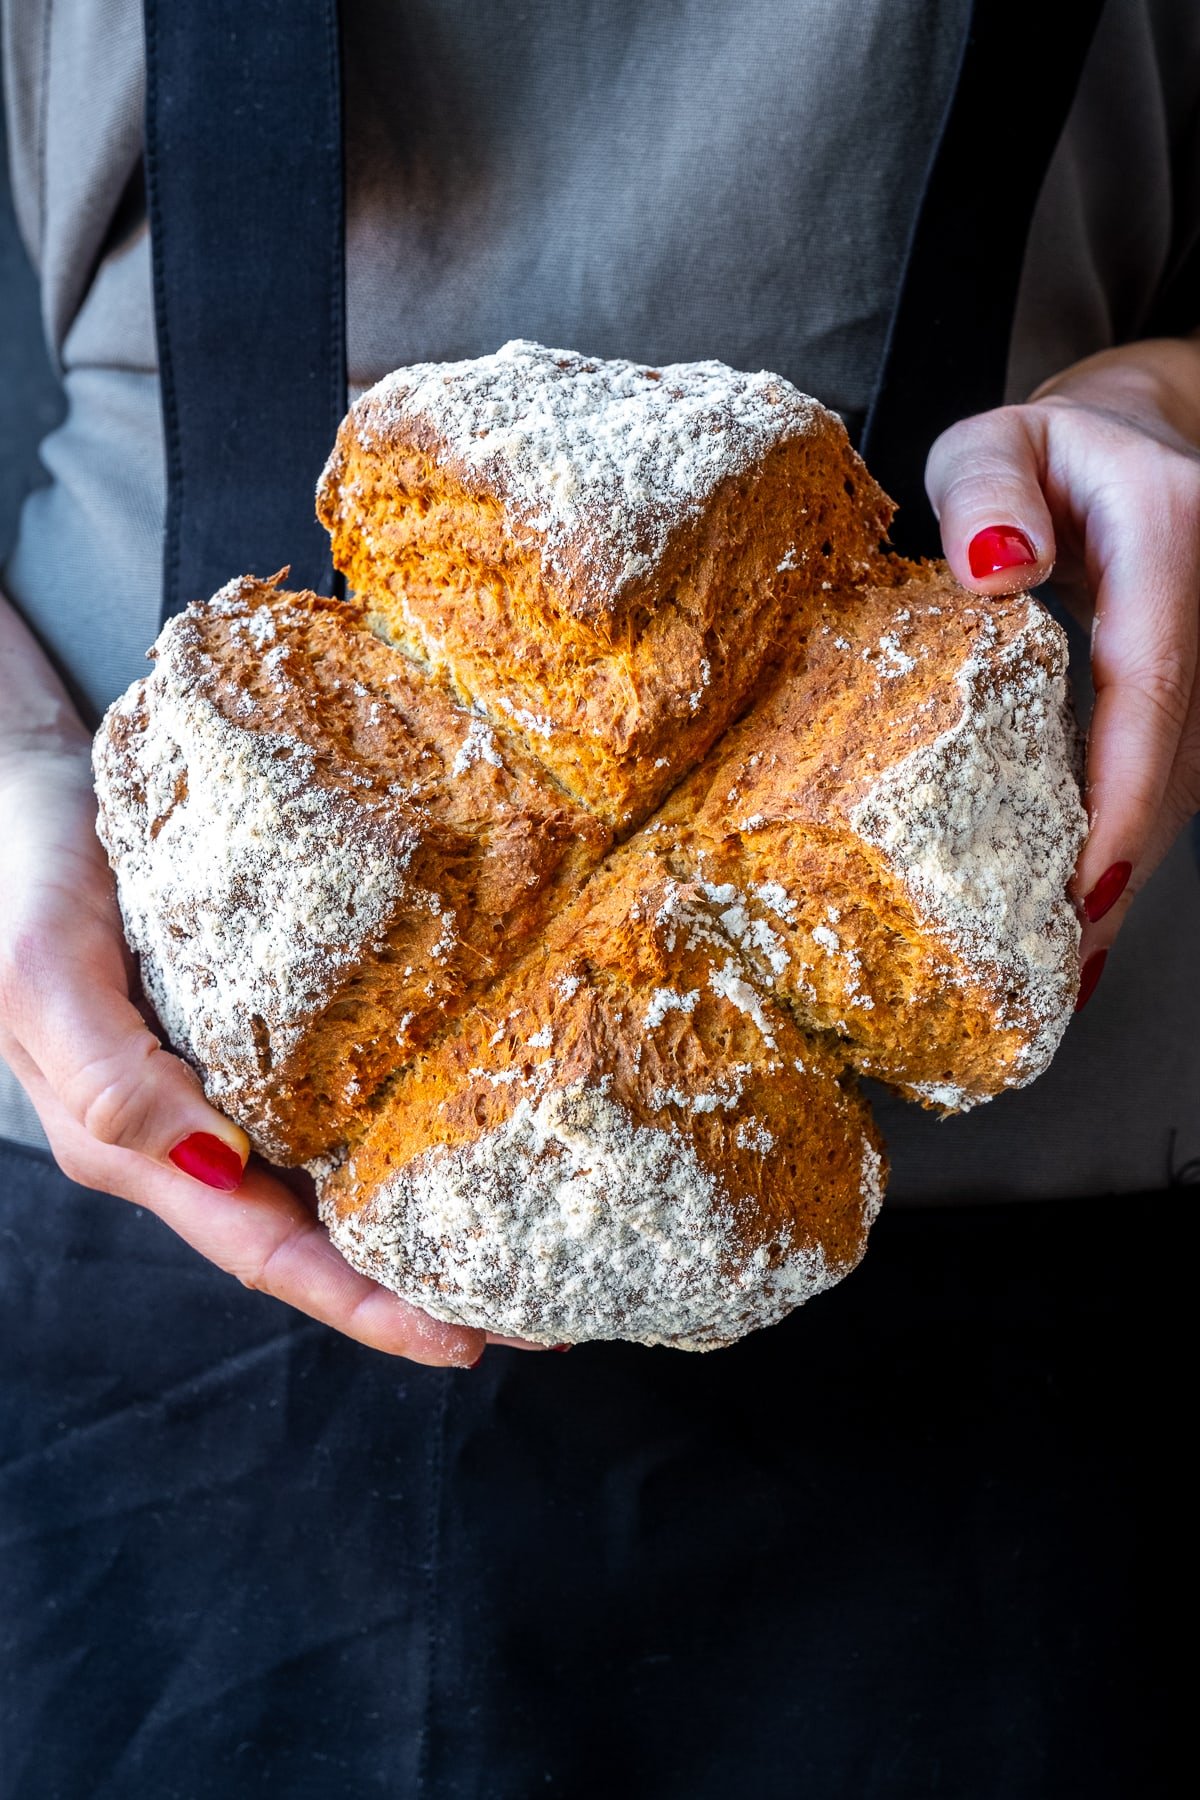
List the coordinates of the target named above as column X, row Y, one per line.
column 983, row 478
column 74, row 1019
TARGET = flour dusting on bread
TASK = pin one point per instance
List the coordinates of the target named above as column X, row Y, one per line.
column 247, row 885
column 559, row 1077
column 319, row 856
column 607, row 457
column 571, row 1221
column 599, row 557
column 984, row 827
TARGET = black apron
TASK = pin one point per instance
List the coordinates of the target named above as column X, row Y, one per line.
column 898, row 1546
column 919, row 1540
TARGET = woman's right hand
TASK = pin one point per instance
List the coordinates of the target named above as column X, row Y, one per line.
column 122, row 1114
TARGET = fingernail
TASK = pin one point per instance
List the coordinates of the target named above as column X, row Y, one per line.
column 999, row 547
column 560, row 1346
column 1089, row 975
column 1107, row 891
column 210, row 1160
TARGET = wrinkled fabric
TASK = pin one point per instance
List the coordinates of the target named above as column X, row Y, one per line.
column 902, row 1545
column 913, row 1542
column 661, row 179
column 668, row 179
column 671, row 179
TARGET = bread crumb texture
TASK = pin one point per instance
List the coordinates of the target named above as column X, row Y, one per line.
column 547, row 896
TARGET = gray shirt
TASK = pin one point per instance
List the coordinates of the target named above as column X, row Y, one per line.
column 659, row 179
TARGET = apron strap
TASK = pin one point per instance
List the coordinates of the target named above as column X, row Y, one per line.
column 245, row 198
column 948, row 344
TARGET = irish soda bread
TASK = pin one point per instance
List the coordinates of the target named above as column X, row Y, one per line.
column 567, row 1066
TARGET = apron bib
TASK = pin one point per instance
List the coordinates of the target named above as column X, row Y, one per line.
column 885, row 1549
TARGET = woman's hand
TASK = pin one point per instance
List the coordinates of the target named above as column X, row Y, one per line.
column 1098, row 477
column 121, row 1113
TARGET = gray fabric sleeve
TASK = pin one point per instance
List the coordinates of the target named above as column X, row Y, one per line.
column 74, row 98
column 23, row 33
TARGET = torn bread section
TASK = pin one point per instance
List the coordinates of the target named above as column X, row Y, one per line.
column 627, row 1138
column 602, row 556
column 320, row 859
column 889, row 836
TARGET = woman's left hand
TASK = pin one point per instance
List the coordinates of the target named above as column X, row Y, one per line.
column 1098, row 477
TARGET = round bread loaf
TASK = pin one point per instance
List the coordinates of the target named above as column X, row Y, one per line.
column 550, row 1085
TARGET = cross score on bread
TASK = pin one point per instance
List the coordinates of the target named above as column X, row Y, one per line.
column 546, row 896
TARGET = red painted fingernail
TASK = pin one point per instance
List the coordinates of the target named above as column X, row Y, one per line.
column 1089, row 975
column 560, row 1346
column 1107, row 891
column 210, row 1160
column 999, row 547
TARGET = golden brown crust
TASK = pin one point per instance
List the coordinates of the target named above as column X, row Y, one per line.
column 619, row 1108
column 446, row 850
column 946, row 1006
column 634, row 1005
column 617, row 699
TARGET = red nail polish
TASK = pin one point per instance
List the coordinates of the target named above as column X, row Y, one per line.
column 1107, row 891
column 1089, row 975
column 560, row 1346
column 997, row 548
column 209, row 1159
